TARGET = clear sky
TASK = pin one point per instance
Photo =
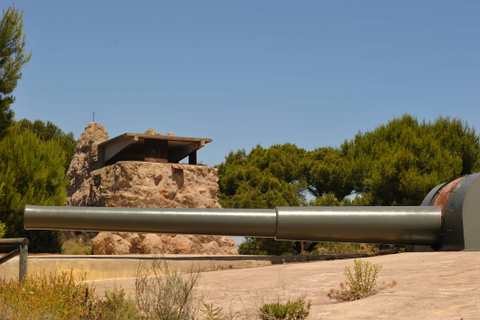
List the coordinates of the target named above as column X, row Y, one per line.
column 249, row 72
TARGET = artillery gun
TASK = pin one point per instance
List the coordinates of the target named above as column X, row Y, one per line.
column 447, row 219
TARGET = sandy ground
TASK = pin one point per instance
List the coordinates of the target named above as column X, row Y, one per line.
column 433, row 286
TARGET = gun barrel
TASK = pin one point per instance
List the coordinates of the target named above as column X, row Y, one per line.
column 234, row 222
column 415, row 225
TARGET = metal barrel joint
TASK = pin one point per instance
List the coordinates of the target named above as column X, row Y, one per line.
column 415, row 225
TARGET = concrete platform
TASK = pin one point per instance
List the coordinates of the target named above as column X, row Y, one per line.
column 430, row 286
column 94, row 267
column 97, row 267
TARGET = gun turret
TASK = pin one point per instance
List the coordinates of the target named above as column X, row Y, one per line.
column 448, row 219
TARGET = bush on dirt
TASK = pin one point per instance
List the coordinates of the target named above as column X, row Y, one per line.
column 291, row 310
column 165, row 294
column 360, row 282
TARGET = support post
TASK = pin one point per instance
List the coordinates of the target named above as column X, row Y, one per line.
column 23, row 261
column 20, row 248
column 192, row 157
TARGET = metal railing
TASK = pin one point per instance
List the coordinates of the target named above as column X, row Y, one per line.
column 14, row 247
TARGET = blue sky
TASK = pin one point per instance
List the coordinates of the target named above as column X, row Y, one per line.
column 249, row 72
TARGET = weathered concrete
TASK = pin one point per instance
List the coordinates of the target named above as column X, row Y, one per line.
column 430, row 286
column 100, row 267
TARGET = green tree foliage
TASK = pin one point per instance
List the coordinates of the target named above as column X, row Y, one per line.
column 47, row 131
column 2, row 230
column 265, row 246
column 265, row 178
column 12, row 58
column 398, row 163
column 31, row 172
column 327, row 199
column 394, row 164
column 329, row 171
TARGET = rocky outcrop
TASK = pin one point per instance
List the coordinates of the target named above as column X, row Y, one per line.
column 85, row 157
column 143, row 185
column 149, row 184
column 125, row 243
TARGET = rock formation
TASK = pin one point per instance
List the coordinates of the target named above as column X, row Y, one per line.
column 143, row 184
column 149, row 184
column 125, row 243
column 85, row 157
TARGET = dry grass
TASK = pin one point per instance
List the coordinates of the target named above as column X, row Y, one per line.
column 116, row 306
column 45, row 297
column 61, row 297
column 161, row 294
column 212, row 312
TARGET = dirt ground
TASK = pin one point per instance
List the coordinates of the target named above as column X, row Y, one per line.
column 430, row 286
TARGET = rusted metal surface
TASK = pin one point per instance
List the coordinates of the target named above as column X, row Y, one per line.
column 441, row 198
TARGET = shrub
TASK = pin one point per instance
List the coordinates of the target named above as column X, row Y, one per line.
column 211, row 312
column 165, row 294
column 360, row 282
column 256, row 246
column 31, row 172
column 59, row 297
column 116, row 306
column 329, row 247
column 291, row 310
column 74, row 247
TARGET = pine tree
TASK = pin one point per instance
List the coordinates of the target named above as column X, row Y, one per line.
column 47, row 131
column 399, row 162
column 31, row 172
column 394, row 164
column 12, row 58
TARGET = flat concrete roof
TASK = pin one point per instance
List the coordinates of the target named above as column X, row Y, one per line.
column 138, row 136
column 148, row 147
